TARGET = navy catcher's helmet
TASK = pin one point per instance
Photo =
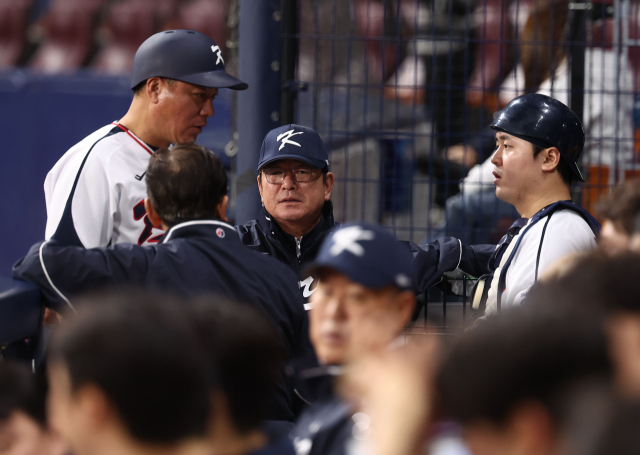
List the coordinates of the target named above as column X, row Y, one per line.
column 184, row 55
column 545, row 122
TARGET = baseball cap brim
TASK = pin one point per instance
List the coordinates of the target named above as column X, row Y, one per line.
column 375, row 278
column 372, row 279
column 312, row 162
column 215, row 79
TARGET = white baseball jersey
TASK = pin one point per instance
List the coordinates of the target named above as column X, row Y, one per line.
column 566, row 232
column 95, row 193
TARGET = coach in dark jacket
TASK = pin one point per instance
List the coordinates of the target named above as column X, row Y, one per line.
column 295, row 186
column 199, row 253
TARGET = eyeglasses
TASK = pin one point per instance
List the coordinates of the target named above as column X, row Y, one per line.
column 276, row 175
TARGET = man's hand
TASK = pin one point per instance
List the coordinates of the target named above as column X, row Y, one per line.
column 51, row 317
column 395, row 389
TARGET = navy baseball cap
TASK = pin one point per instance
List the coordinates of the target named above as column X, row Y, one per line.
column 367, row 254
column 184, row 55
column 294, row 142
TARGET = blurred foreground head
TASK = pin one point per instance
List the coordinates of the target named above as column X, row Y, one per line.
column 128, row 372
column 186, row 183
column 506, row 381
column 603, row 285
column 364, row 298
column 248, row 356
column 620, row 215
column 23, row 426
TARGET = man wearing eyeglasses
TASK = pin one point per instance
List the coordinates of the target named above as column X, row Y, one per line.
column 295, row 186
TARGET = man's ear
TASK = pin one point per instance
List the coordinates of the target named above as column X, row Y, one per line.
column 221, row 209
column 151, row 213
column 153, row 88
column 260, row 185
column 551, row 159
column 95, row 406
column 406, row 303
column 328, row 185
column 532, row 428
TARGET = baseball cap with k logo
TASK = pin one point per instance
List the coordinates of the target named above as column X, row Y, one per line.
column 295, row 142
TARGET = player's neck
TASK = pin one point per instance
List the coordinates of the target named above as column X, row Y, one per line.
column 137, row 121
column 542, row 199
column 299, row 228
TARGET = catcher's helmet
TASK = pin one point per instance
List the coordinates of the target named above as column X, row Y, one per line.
column 545, row 122
column 184, row 55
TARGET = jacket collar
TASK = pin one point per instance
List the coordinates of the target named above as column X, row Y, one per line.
column 317, row 233
column 200, row 228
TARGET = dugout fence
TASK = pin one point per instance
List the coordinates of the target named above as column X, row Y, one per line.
column 402, row 91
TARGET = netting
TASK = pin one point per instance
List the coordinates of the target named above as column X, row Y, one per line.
column 403, row 91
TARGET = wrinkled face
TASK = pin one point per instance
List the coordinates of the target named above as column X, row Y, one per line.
column 613, row 238
column 21, row 435
column 291, row 201
column 347, row 320
column 183, row 110
column 63, row 411
column 516, row 171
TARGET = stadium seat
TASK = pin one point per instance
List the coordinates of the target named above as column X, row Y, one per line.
column 493, row 60
column 372, row 24
column 14, row 15
column 68, row 29
column 208, row 17
column 128, row 24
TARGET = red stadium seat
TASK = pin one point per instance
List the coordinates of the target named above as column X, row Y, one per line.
column 128, row 24
column 493, row 55
column 208, row 17
column 382, row 57
column 13, row 30
column 68, row 28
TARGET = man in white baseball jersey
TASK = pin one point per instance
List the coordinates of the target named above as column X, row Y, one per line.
column 95, row 193
column 538, row 143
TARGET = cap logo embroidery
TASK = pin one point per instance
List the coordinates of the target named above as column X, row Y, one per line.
column 216, row 50
column 346, row 239
column 285, row 138
column 220, row 233
column 402, row 280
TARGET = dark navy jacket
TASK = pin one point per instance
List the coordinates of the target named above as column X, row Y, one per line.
column 327, row 426
column 446, row 254
column 266, row 236
column 430, row 260
column 191, row 258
